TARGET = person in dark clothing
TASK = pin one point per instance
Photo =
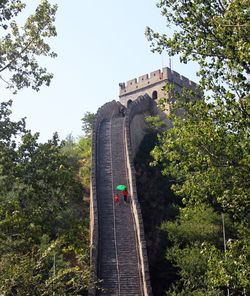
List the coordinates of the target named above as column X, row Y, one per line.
column 123, row 110
column 125, row 194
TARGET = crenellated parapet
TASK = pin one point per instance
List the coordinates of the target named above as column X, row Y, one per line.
column 152, row 84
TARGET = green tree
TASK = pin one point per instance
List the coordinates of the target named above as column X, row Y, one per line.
column 189, row 233
column 214, row 34
column 84, row 147
column 21, row 45
column 43, row 230
column 207, row 150
column 79, row 151
column 87, row 122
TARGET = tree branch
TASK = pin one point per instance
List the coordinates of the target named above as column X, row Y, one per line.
column 18, row 55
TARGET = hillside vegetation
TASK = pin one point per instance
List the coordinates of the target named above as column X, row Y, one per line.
column 206, row 152
column 44, row 221
column 43, row 218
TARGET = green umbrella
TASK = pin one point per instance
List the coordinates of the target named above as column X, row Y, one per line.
column 121, row 187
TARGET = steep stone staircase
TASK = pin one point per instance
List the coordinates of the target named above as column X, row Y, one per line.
column 118, row 257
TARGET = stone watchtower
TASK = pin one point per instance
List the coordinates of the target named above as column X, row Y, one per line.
column 152, row 85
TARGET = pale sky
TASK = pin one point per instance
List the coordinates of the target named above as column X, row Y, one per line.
column 99, row 44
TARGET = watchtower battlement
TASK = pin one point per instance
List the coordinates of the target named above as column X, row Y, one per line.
column 152, row 84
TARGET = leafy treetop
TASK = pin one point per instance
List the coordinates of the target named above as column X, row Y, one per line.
column 20, row 46
column 213, row 33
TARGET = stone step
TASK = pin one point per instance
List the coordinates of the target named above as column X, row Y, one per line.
column 118, row 258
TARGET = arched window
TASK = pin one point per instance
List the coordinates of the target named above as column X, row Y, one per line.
column 129, row 102
column 154, row 95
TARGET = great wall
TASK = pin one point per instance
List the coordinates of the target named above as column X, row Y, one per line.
column 118, row 247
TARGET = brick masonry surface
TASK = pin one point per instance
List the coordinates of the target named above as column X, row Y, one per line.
column 118, row 248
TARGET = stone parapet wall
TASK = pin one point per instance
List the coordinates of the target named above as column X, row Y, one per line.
column 142, row 107
column 144, row 81
column 105, row 112
column 134, row 131
column 155, row 81
column 135, row 114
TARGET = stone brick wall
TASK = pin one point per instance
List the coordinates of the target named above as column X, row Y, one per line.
column 134, row 133
column 105, row 112
column 154, row 82
column 135, row 127
column 142, row 107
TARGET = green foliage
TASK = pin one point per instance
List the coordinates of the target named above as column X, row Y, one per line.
column 155, row 123
column 195, row 228
column 197, row 224
column 231, row 269
column 79, row 154
column 207, row 150
column 87, row 122
column 43, row 272
column 213, row 33
column 43, row 228
column 156, row 202
column 85, row 146
column 44, row 221
column 20, row 45
column 71, row 151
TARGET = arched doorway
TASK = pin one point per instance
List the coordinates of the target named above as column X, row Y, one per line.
column 129, row 102
column 154, row 95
